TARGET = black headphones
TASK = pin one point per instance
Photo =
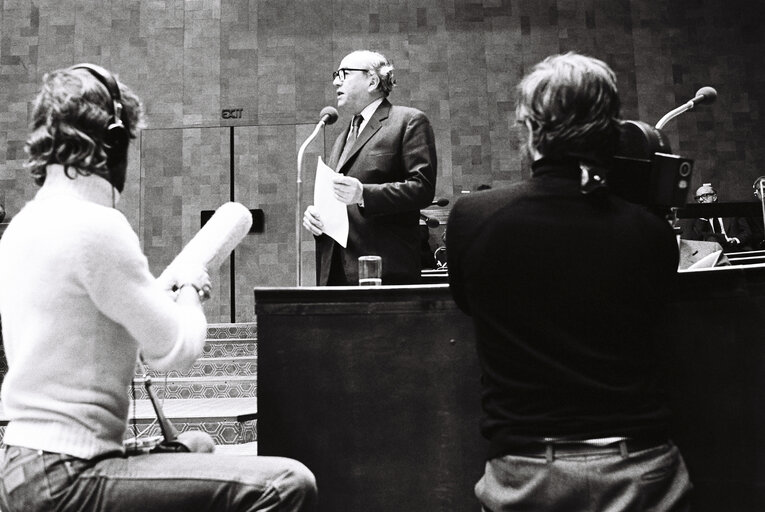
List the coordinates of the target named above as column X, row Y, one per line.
column 117, row 137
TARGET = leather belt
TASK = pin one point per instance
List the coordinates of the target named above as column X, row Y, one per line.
column 560, row 448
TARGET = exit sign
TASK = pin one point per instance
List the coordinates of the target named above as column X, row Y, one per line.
column 231, row 113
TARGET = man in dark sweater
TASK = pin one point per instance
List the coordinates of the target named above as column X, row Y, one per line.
column 562, row 279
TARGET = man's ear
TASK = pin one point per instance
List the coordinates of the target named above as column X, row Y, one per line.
column 533, row 153
column 374, row 81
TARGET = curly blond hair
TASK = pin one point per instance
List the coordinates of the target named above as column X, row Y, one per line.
column 70, row 116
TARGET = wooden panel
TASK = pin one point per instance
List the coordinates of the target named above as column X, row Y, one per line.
column 376, row 391
column 716, row 355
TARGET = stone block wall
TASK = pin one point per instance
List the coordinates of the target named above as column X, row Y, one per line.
column 264, row 66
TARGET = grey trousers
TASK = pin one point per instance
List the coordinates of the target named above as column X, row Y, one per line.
column 604, row 480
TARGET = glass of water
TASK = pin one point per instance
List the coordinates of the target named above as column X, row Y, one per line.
column 370, row 271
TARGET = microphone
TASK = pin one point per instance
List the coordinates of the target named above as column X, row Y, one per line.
column 704, row 95
column 430, row 221
column 328, row 115
column 441, row 201
column 214, row 242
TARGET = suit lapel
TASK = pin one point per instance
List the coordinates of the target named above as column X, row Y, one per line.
column 373, row 125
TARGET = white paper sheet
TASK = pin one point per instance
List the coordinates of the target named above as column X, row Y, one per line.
column 333, row 213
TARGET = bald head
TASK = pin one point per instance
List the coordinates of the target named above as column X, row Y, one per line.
column 363, row 77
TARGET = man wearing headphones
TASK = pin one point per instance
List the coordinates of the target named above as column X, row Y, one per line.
column 78, row 305
column 562, row 278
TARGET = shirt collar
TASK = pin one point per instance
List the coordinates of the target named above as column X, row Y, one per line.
column 367, row 111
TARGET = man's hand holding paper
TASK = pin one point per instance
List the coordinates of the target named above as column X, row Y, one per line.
column 327, row 214
column 348, row 190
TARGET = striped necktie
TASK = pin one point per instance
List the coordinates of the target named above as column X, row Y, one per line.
column 355, row 125
column 354, row 133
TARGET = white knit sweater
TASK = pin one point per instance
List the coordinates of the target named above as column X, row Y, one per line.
column 77, row 302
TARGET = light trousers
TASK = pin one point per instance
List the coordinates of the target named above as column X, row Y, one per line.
column 35, row 481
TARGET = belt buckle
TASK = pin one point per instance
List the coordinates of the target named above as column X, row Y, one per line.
column 592, row 444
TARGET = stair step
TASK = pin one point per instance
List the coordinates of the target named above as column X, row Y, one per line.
column 237, row 409
column 250, row 448
column 229, row 421
column 212, row 367
column 219, row 387
column 245, row 330
column 230, row 340
column 231, row 347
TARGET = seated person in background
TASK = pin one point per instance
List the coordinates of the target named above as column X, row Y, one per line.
column 79, row 304
column 732, row 233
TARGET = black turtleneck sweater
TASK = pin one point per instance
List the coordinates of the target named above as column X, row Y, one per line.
column 562, row 288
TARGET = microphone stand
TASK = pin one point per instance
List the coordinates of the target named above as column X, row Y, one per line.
column 298, row 209
column 761, row 186
column 169, row 432
column 674, row 113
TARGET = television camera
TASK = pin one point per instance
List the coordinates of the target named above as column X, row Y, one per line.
column 645, row 170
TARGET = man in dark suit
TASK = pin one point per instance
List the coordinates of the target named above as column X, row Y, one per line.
column 732, row 233
column 386, row 173
column 562, row 278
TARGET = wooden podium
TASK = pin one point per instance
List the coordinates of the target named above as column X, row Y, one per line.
column 377, row 391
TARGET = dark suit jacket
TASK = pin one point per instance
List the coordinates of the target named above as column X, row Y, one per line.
column 757, row 241
column 395, row 158
column 734, row 227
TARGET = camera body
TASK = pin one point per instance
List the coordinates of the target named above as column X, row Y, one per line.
column 645, row 171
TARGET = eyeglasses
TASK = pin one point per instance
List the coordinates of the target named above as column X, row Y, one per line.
column 708, row 195
column 343, row 72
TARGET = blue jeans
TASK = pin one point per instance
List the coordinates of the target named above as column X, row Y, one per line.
column 605, row 480
column 168, row 482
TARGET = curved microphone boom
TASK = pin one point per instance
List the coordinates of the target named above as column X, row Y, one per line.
column 704, row 95
column 328, row 115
